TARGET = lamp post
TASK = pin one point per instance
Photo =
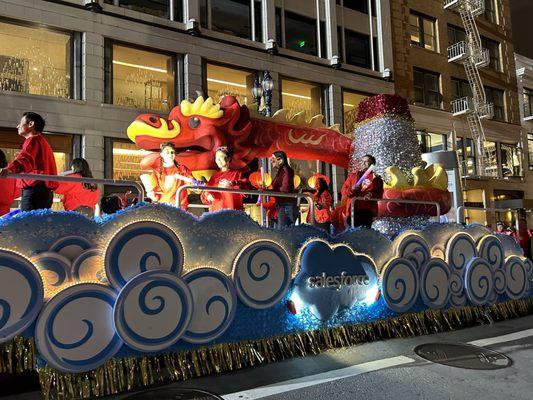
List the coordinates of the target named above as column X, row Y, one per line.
column 263, row 89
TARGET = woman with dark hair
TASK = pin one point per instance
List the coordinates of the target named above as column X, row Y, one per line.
column 163, row 183
column 323, row 200
column 77, row 196
column 225, row 178
column 284, row 182
column 8, row 188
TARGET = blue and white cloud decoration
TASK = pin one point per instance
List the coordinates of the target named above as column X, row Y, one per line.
column 333, row 277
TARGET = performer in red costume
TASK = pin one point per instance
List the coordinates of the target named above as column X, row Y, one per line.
column 163, row 183
column 77, row 196
column 8, row 188
column 36, row 157
column 362, row 183
column 323, row 201
column 225, row 178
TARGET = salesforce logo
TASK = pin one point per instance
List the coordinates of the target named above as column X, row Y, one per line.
column 336, row 282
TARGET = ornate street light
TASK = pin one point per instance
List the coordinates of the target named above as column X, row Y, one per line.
column 263, row 89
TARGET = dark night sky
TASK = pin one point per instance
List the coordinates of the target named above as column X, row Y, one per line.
column 522, row 21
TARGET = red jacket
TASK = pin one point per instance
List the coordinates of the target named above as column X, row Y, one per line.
column 75, row 195
column 36, row 157
column 284, row 182
column 372, row 186
column 226, row 200
column 8, row 193
column 324, row 214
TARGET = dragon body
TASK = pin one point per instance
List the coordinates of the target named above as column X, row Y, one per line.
column 198, row 128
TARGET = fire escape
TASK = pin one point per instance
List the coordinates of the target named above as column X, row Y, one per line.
column 473, row 56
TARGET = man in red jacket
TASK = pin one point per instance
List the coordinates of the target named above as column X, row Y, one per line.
column 36, row 157
column 363, row 183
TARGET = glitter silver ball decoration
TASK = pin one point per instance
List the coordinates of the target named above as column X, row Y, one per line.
column 391, row 140
column 392, row 226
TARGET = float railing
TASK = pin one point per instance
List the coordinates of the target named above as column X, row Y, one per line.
column 261, row 193
column 405, row 201
column 96, row 181
column 462, row 220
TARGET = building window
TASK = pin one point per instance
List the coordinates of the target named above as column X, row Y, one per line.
column 494, row 53
column 491, row 155
column 511, row 158
column 158, row 8
column 460, row 88
column 241, row 18
column 466, row 154
column 350, row 105
column 427, row 88
column 123, row 160
column 430, row 142
column 455, row 34
column 139, row 78
column 300, row 33
column 299, row 96
column 530, row 150
column 222, row 81
column 491, row 11
column 38, row 61
column 357, row 49
column 423, row 31
column 358, row 5
column 528, row 102
column 495, row 96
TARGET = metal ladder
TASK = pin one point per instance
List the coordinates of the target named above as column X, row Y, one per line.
column 474, row 57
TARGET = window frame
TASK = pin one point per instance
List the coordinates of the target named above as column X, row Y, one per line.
column 516, row 148
column 456, row 33
column 491, row 12
column 495, row 56
column 424, row 73
column 530, row 150
column 461, row 83
column 527, row 104
column 421, row 31
column 489, row 94
column 181, row 13
column 177, row 64
column 255, row 8
column 75, row 50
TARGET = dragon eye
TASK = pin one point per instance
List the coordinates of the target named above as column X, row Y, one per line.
column 194, row 122
column 153, row 120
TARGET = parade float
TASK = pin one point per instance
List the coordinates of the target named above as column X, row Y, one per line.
column 153, row 294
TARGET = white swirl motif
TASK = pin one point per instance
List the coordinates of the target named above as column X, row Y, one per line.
column 262, row 274
column 456, row 284
column 500, row 281
column 414, row 248
column 88, row 266
column 215, row 304
column 305, row 138
column 21, row 294
column 479, row 281
column 460, row 249
column 434, row 283
column 458, row 300
column 71, row 246
column 490, row 248
column 74, row 332
column 54, row 269
column 153, row 311
column 139, row 247
column 400, row 284
column 515, row 277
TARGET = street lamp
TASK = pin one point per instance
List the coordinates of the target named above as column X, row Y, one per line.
column 263, row 89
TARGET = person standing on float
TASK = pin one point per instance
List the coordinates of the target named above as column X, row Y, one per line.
column 323, row 200
column 77, row 196
column 284, row 182
column 225, row 178
column 168, row 178
column 362, row 183
column 36, row 157
column 8, row 189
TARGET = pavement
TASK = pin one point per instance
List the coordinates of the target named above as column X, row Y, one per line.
column 379, row 370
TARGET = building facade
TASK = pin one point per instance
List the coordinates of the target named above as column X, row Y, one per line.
column 90, row 73
column 422, row 32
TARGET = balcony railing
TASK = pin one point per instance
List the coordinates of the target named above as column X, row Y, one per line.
column 457, row 52
column 477, row 7
column 461, row 106
column 483, row 59
column 452, row 4
column 486, row 111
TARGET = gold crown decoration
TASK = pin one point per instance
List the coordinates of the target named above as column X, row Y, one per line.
column 204, row 108
column 434, row 176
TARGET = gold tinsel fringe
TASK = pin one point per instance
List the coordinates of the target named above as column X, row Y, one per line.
column 119, row 375
column 17, row 355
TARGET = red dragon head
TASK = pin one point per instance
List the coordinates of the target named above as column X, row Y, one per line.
column 197, row 130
